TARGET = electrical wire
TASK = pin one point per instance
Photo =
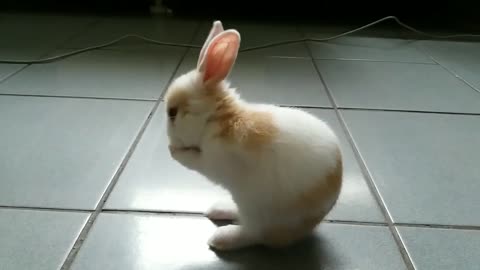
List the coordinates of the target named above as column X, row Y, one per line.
column 362, row 28
column 268, row 45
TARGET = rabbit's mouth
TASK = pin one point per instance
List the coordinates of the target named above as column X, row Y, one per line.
column 191, row 148
column 185, row 148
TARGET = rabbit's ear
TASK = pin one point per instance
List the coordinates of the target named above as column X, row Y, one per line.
column 216, row 29
column 220, row 56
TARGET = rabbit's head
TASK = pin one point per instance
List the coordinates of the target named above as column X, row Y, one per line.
column 194, row 99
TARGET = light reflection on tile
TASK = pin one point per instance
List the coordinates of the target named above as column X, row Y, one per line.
column 180, row 242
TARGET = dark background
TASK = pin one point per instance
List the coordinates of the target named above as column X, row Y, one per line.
column 460, row 15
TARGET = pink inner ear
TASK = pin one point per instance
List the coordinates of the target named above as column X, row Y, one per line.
column 217, row 28
column 221, row 55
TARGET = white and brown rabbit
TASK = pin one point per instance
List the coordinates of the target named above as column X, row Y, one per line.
column 282, row 166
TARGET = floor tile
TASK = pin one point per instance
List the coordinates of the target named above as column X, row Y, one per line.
column 22, row 54
column 30, row 30
column 325, row 30
column 39, row 240
column 369, row 48
column 153, row 181
column 401, row 86
column 255, row 34
column 17, row 54
column 425, row 165
column 462, row 58
column 101, row 73
column 60, row 152
column 374, row 44
column 162, row 242
column 161, row 29
column 8, row 69
column 273, row 80
column 295, row 50
column 442, row 249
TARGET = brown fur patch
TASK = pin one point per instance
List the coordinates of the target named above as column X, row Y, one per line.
column 284, row 235
column 325, row 189
column 251, row 129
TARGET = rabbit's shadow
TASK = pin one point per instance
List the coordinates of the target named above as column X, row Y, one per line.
column 314, row 252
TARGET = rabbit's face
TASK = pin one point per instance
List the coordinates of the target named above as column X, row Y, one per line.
column 187, row 111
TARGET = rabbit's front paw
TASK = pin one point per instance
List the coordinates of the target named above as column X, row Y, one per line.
column 188, row 157
column 230, row 237
column 223, row 210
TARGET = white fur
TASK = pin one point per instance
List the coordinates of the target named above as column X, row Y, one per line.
column 260, row 183
column 263, row 182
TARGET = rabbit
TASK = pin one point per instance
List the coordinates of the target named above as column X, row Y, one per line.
column 282, row 166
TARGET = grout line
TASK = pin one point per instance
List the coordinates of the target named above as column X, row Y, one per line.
column 281, row 105
column 31, row 208
column 357, row 223
column 15, row 72
column 439, row 226
column 304, row 106
column 427, row 53
column 403, row 111
column 200, row 214
column 455, row 75
column 370, row 183
column 374, row 60
column 154, row 212
column 46, row 53
column 187, row 51
column 77, row 97
column 89, row 224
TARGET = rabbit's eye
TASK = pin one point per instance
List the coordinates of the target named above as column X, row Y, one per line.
column 172, row 112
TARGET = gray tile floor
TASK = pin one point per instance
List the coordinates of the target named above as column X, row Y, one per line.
column 86, row 182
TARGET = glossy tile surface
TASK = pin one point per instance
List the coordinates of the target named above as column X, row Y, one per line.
column 373, row 44
column 154, row 181
column 461, row 58
column 59, row 152
column 7, row 70
column 254, row 34
column 102, row 73
column 48, row 31
column 39, row 240
column 399, row 86
column 442, row 249
column 7, row 53
column 166, row 242
column 272, row 79
column 425, row 165
column 62, row 153
column 369, row 48
column 17, row 54
column 170, row 30
column 326, row 30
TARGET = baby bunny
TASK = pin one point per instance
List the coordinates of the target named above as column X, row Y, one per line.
column 282, row 166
